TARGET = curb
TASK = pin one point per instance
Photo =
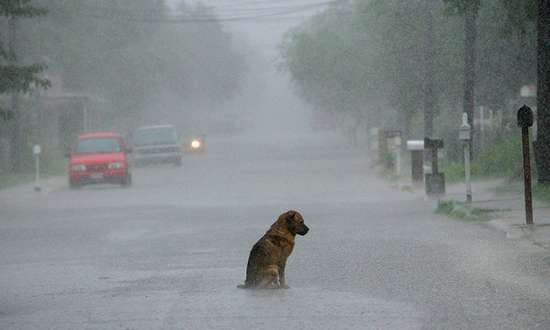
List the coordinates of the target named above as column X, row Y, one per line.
column 511, row 230
column 533, row 234
column 47, row 186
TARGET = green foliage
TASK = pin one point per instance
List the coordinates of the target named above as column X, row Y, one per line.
column 52, row 163
column 454, row 171
column 10, row 180
column 503, row 158
column 372, row 61
column 542, row 193
column 360, row 65
column 462, row 7
column 19, row 8
column 128, row 54
column 462, row 211
column 13, row 77
column 520, row 14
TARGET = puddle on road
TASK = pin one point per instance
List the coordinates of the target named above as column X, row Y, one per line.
column 290, row 309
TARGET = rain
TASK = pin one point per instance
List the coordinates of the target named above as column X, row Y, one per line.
column 252, row 164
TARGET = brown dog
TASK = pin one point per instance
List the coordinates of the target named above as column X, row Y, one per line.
column 267, row 260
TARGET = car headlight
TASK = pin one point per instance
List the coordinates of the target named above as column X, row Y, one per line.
column 114, row 166
column 78, row 168
column 195, row 144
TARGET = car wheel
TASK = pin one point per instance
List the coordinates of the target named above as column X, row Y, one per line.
column 126, row 180
column 74, row 184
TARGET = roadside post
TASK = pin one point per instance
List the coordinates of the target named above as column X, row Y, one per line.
column 464, row 136
column 435, row 181
column 525, row 120
column 393, row 140
column 397, row 151
column 416, row 147
column 382, row 147
column 37, row 150
column 373, row 145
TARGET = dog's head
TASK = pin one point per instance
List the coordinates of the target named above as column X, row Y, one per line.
column 295, row 223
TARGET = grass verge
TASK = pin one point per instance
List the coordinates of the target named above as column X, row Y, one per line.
column 52, row 164
column 542, row 193
column 11, row 180
column 462, row 211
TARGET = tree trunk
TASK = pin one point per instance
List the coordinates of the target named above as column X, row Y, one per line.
column 542, row 147
column 470, row 36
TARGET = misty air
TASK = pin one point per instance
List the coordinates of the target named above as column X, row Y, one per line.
column 254, row 164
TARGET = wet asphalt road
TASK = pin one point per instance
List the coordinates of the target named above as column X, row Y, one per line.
column 168, row 252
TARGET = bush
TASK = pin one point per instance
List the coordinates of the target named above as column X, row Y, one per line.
column 462, row 211
column 500, row 159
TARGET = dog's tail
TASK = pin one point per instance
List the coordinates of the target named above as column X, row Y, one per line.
column 243, row 286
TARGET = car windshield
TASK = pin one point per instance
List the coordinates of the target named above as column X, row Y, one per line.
column 98, row 146
column 157, row 135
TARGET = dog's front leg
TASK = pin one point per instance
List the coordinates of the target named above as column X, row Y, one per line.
column 282, row 279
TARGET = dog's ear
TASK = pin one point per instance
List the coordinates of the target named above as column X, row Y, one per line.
column 288, row 222
column 290, row 214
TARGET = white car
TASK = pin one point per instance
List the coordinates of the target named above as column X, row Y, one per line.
column 156, row 144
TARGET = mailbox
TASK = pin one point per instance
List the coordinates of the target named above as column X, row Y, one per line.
column 433, row 143
column 465, row 129
column 525, row 117
column 415, row 145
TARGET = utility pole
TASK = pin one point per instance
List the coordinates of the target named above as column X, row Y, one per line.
column 428, row 81
column 542, row 146
column 15, row 134
column 428, row 72
column 470, row 36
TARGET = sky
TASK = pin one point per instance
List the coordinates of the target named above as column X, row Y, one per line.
column 274, row 107
column 264, row 34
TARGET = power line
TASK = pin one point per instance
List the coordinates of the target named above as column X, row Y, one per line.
column 282, row 12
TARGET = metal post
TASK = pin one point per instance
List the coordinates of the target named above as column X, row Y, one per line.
column 464, row 135
column 37, row 150
column 527, row 175
column 37, row 176
column 525, row 120
column 481, row 126
column 398, row 160
column 85, row 118
column 435, row 166
column 467, row 172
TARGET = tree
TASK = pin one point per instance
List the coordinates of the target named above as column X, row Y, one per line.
column 370, row 64
column 15, row 78
column 137, row 56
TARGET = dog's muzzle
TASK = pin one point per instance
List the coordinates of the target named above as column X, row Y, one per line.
column 303, row 231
